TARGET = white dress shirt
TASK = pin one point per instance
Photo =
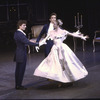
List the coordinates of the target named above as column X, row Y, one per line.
column 21, row 31
column 50, row 27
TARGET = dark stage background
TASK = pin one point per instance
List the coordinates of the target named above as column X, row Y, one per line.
column 38, row 11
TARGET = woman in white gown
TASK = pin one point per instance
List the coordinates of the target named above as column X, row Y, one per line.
column 61, row 64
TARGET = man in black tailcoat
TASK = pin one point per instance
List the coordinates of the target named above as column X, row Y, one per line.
column 21, row 53
column 46, row 29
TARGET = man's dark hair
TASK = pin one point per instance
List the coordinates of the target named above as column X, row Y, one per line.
column 53, row 14
column 20, row 22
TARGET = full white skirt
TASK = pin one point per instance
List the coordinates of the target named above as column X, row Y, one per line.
column 61, row 65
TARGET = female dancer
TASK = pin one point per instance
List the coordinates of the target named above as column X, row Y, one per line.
column 61, row 64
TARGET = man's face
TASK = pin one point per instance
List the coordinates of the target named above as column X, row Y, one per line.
column 22, row 27
column 53, row 19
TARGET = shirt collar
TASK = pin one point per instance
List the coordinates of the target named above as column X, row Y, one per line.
column 21, row 31
column 51, row 23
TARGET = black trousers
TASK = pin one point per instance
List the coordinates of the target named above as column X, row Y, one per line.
column 19, row 72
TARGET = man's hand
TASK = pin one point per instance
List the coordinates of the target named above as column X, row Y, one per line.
column 37, row 48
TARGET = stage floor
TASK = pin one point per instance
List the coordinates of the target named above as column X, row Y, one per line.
column 41, row 88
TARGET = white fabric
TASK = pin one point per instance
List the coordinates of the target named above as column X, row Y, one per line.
column 37, row 48
column 50, row 27
column 21, row 31
column 42, row 42
column 61, row 64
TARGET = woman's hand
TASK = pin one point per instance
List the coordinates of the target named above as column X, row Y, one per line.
column 85, row 37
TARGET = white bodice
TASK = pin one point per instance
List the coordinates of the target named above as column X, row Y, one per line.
column 59, row 39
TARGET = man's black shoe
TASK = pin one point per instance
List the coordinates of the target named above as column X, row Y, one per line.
column 20, row 88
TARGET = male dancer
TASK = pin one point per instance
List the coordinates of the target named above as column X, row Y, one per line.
column 21, row 53
column 46, row 29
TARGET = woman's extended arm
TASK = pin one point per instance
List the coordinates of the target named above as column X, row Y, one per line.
column 44, row 40
column 78, row 35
